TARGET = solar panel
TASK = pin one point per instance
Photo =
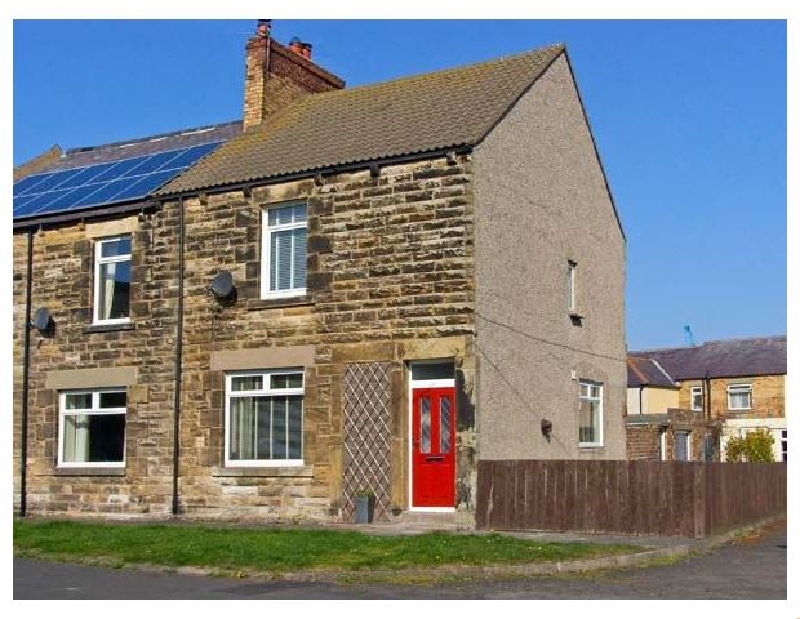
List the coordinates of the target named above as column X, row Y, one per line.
column 102, row 183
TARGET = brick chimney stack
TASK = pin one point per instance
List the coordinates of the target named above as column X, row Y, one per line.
column 276, row 75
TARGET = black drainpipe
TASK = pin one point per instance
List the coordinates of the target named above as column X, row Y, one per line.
column 707, row 397
column 641, row 389
column 23, row 465
column 178, row 363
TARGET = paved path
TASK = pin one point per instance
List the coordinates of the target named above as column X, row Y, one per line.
column 753, row 569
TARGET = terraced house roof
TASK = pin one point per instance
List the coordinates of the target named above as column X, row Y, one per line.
column 418, row 114
column 759, row 356
column 647, row 373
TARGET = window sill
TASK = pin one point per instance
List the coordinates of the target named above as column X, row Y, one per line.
column 590, row 446
column 101, row 328
column 263, row 471
column 259, row 304
column 576, row 318
column 90, row 471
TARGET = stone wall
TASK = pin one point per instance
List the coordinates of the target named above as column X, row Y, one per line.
column 389, row 268
column 390, row 278
column 768, row 396
column 63, row 282
column 644, row 436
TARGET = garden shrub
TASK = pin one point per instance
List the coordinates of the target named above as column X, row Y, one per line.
column 755, row 446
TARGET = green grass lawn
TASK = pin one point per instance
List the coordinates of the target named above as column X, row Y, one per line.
column 279, row 550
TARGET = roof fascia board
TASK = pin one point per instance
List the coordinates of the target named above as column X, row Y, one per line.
column 118, row 209
column 294, row 176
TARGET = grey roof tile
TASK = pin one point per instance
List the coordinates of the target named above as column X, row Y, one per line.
column 762, row 356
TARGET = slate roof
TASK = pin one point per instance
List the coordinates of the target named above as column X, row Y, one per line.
column 104, row 153
column 647, row 373
column 411, row 115
column 762, row 356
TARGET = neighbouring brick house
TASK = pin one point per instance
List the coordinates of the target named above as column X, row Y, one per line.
column 720, row 389
column 369, row 288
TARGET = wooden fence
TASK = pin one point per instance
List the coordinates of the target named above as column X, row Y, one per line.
column 693, row 499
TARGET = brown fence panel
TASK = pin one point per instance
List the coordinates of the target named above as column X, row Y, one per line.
column 692, row 499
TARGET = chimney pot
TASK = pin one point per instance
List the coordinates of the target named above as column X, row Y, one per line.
column 296, row 46
column 263, row 28
column 306, row 53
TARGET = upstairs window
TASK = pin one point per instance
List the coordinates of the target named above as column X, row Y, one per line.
column 283, row 251
column 572, row 268
column 590, row 424
column 112, row 280
column 697, row 398
column 740, row 397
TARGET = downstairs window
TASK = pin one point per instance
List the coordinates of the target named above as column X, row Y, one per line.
column 92, row 428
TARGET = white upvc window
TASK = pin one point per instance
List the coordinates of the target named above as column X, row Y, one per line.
column 572, row 268
column 112, row 280
column 590, row 423
column 283, row 251
column 91, row 428
column 784, row 442
column 697, row 398
column 740, row 397
column 264, row 418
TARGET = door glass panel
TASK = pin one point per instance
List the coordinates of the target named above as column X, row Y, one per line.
column 425, row 425
column 444, row 424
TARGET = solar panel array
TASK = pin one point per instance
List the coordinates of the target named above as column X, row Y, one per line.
column 102, row 183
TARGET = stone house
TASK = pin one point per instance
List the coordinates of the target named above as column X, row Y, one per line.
column 368, row 288
column 722, row 388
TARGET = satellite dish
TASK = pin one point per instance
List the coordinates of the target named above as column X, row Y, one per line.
column 42, row 320
column 222, row 285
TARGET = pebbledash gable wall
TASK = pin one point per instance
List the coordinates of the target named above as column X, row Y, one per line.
column 139, row 359
column 390, row 272
column 541, row 201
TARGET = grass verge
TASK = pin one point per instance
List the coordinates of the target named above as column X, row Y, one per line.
column 284, row 550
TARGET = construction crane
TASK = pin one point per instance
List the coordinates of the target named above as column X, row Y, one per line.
column 687, row 334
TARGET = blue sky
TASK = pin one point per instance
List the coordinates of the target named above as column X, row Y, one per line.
column 689, row 117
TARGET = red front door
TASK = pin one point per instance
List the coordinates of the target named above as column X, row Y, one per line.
column 433, row 446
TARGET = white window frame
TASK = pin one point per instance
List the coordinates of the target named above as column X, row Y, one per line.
column 98, row 261
column 662, row 443
column 740, row 387
column 694, row 391
column 265, row 391
column 94, row 410
column 572, row 304
column 591, row 383
column 266, row 235
column 783, row 439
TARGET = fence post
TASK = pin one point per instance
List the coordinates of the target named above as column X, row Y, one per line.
column 700, row 495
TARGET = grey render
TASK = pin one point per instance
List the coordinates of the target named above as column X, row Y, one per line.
column 540, row 201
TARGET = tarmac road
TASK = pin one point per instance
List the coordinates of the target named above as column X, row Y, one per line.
column 752, row 569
